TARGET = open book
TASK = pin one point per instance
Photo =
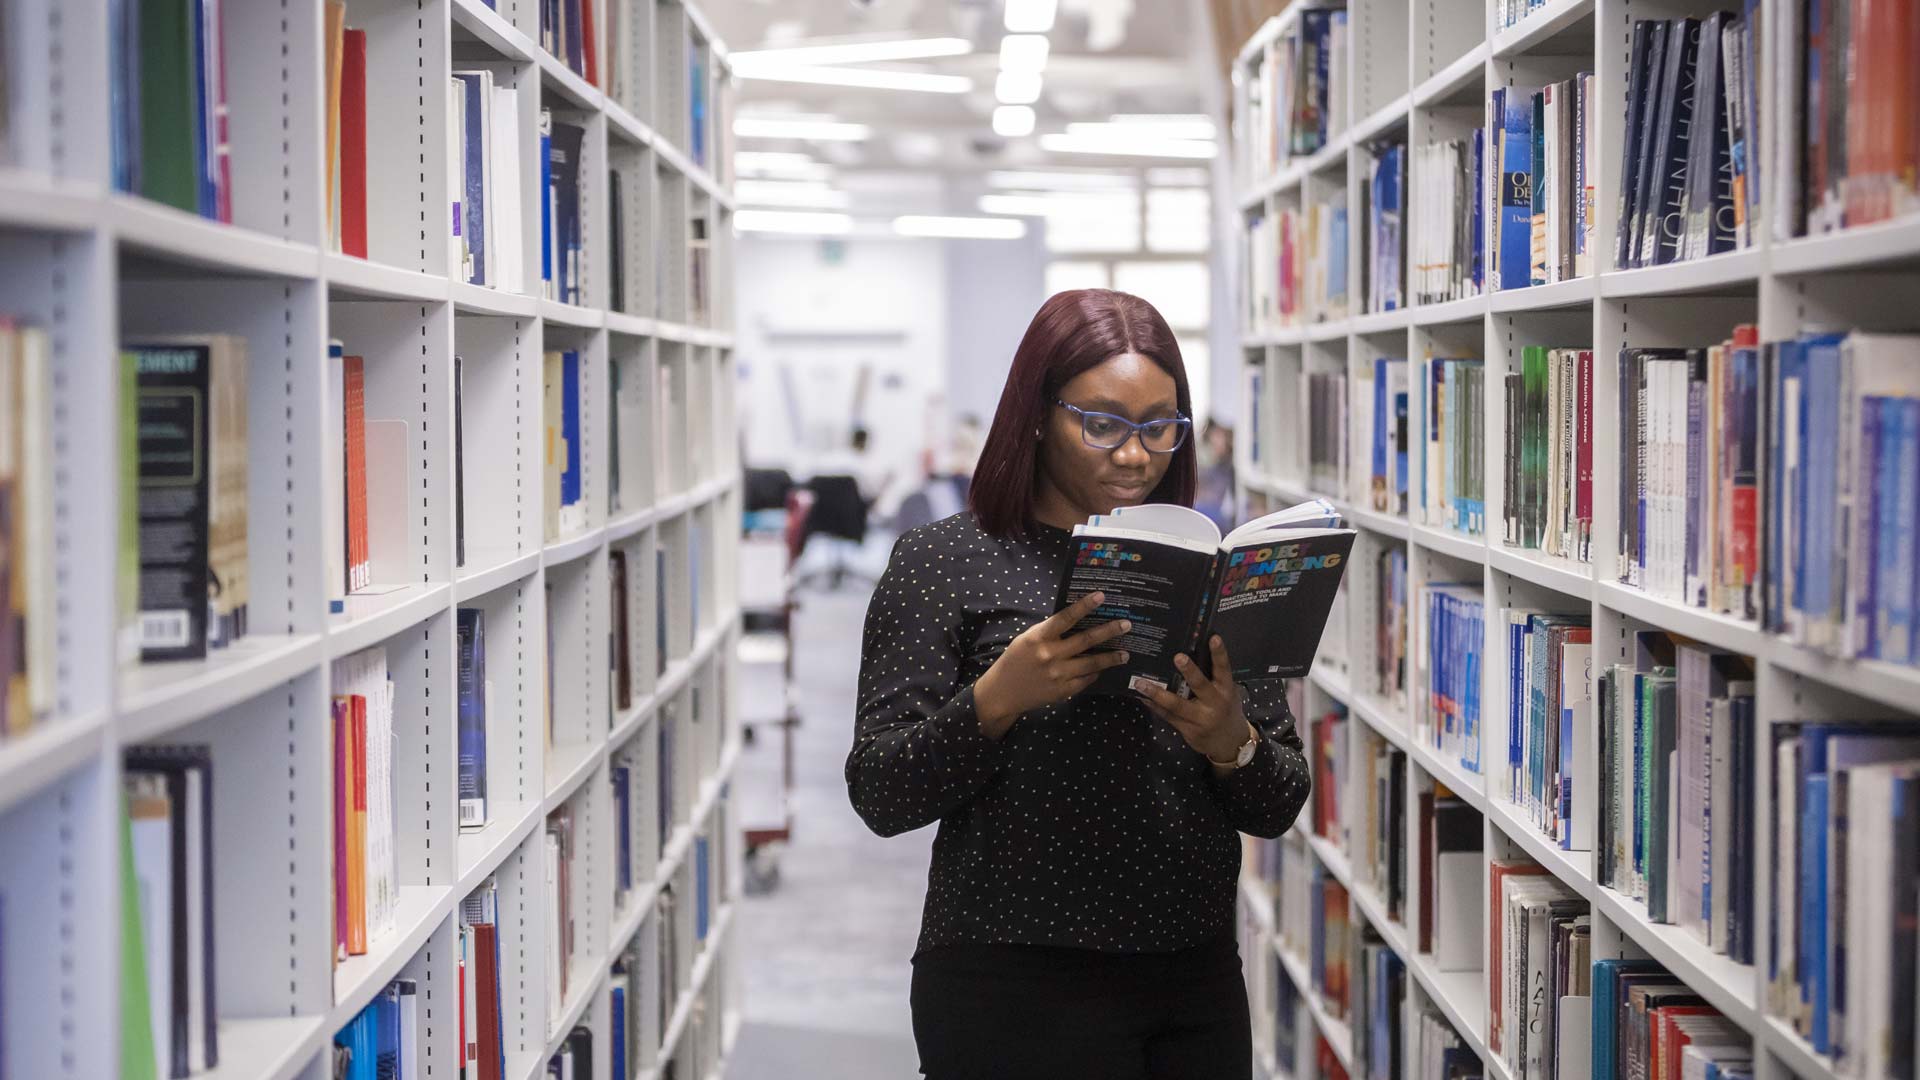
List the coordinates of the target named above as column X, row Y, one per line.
column 1265, row 588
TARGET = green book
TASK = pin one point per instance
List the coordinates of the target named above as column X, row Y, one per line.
column 1662, row 736
column 1533, row 446
column 167, row 168
column 136, row 1011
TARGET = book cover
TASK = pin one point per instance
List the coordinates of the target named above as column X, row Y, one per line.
column 168, row 100
column 1643, row 144
column 1516, row 200
column 1166, row 569
column 476, row 90
column 573, row 509
column 353, row 143
column 1661, row 234
column 175, row 478
column 622, row 649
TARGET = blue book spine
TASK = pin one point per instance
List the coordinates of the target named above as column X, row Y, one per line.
column 474, row 201
column 202, row 128
column 1813, row 907
column 1821, row 499
column 702, row 872
column 1897, row 580
column 471, row 686
column 1639, row 778
column 1566, row 776
column 1475, row 633
column 387, row 1034
column 1872, row 498
column 1318, row 27
column 1516, row 700
column 617, row 1019
column 1381, row 436
column 570, row 426
column 1401, row 429
column 1477, row 211
column 546, row 203
column 1516, row 188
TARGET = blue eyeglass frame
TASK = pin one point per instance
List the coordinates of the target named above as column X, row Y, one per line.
column 1184, row 424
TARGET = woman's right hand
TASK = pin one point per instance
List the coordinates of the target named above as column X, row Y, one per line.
column 1045, row 665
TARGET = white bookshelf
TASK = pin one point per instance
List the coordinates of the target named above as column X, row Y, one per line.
column 92, row 265
column 1420, row 70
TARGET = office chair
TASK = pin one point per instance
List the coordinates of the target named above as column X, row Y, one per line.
column 840, row 514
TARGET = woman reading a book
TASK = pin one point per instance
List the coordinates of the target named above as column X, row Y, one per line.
column 1080, row 915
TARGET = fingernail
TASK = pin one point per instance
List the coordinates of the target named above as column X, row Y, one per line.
column 1180, row 660
column 1216, row 639
column 1125, row 625
column 1124, row 656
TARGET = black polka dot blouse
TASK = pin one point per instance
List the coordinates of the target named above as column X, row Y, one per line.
column 1091, row 823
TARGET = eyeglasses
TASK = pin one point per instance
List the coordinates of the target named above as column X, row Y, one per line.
column 1105, row 431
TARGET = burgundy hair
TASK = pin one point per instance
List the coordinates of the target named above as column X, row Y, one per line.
column 1072, row 332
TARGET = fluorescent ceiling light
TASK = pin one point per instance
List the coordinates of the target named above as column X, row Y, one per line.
column 1023, row 52
column 1173, row 176
column 867, row 78
column 1128, row 146
column 809, row 194
column 1030, row 16
column 786, row 165
column 1013, row 121
column 1060, row 180
column 1021, row 205
column 813, row 128
column 792, row 221
column 853, row 52
column 960, row 228
column 1017, row 87
column 1153, row 127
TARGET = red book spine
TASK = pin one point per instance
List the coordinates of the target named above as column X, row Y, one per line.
column 590, row 32
column 353, row 144
column 357, row 850
column 488, row 986
column 342, row 774
column 223, row 157
column 359, row 575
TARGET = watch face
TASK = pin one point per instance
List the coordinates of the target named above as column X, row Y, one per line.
column 1246, row 750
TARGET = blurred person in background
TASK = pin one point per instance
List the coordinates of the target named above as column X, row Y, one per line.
column 1214, row 496
column 1080, row 915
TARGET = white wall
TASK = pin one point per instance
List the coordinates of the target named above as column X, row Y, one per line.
column 813, row 312
column 994, row 287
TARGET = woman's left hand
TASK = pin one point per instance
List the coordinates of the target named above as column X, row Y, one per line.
column 1211, row 721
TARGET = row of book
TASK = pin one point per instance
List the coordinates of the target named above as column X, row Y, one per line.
column 1294, row 99
column 1327, row 755
column 1689, row 164
column 346, row 164
column 1379, row 997
column 29, row 637
column 1297, row 263
column 1448, row 232
column 168, row 104
column 1383, row 225
column 1677, row 736
column 1324, row 394
column 1387, row 436
column 482, row 1037
column 1646, row 1022
column 382, row 1042
column 1376, row 841
column 169, row 1009
column 366, row 887
column 1453, row 491
column 1451, row 838
column 1390, row 599
column 1849, row 149
column 1542, row 185
column 474, row 692
column 1539, row 941
column 1689, row 478
column 1449, row 626
column 483, row 179
column 1549, row 458
column 565, row 501
column 184, row 399
column 574, row 1059
column 558, row 852
column 1549, row 720
column 571, row 33
column 1845, row 837
column 1438, row 1052
column 350, row 437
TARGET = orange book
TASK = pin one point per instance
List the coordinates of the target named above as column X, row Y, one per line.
column 342, row 804
column 357, row 835
column 336, row 29
column 590, row 32
column 359, row 570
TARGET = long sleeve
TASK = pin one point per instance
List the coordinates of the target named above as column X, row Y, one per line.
column 918, row 751
column 1265, row 795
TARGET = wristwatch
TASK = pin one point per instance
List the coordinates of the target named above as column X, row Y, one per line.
column 1245, row 753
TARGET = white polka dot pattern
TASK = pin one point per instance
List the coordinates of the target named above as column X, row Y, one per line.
column 1090, row 824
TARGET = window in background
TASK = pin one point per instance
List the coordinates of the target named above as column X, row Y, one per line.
column 1064, row 274
column 1178, row 289
column 1193, row 353
column 1177, row 220
column 1093, row 221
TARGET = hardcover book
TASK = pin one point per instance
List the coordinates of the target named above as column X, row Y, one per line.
column 1167, row 569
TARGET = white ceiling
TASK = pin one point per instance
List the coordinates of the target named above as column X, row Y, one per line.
column 1107, row 57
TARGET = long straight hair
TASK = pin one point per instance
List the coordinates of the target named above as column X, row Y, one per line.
column 1071, row 333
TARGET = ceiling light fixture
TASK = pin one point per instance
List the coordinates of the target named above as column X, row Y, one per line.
column 960, row 228
column 1013, row 121
column 1021, row 205
column 853, row 52
column 1154, row 127
column 1030, row 16
column 1060, row 180
column 792, row 221
column 815, row 129
column 807, row 194
column 867, row 78
column 1023, row 52
column 1128, row 146
column 780, row 164
column 1017, row 87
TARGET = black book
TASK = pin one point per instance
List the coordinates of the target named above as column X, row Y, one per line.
column 187, row 772
column 174, row 458
column 470, row 688
column 616, row 245
column 1396, row 834
column 1709, row 171
column 459, row 471
column 1265, row 588
column 563, row 159
column 1638, row 58
column 1643, row 183
column 580, row 1045
column 1661, row 235
column 622, row 670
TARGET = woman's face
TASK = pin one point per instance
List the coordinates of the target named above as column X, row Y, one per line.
column 1094, row 480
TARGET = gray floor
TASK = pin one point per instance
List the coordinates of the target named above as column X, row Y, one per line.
column 825, row 956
